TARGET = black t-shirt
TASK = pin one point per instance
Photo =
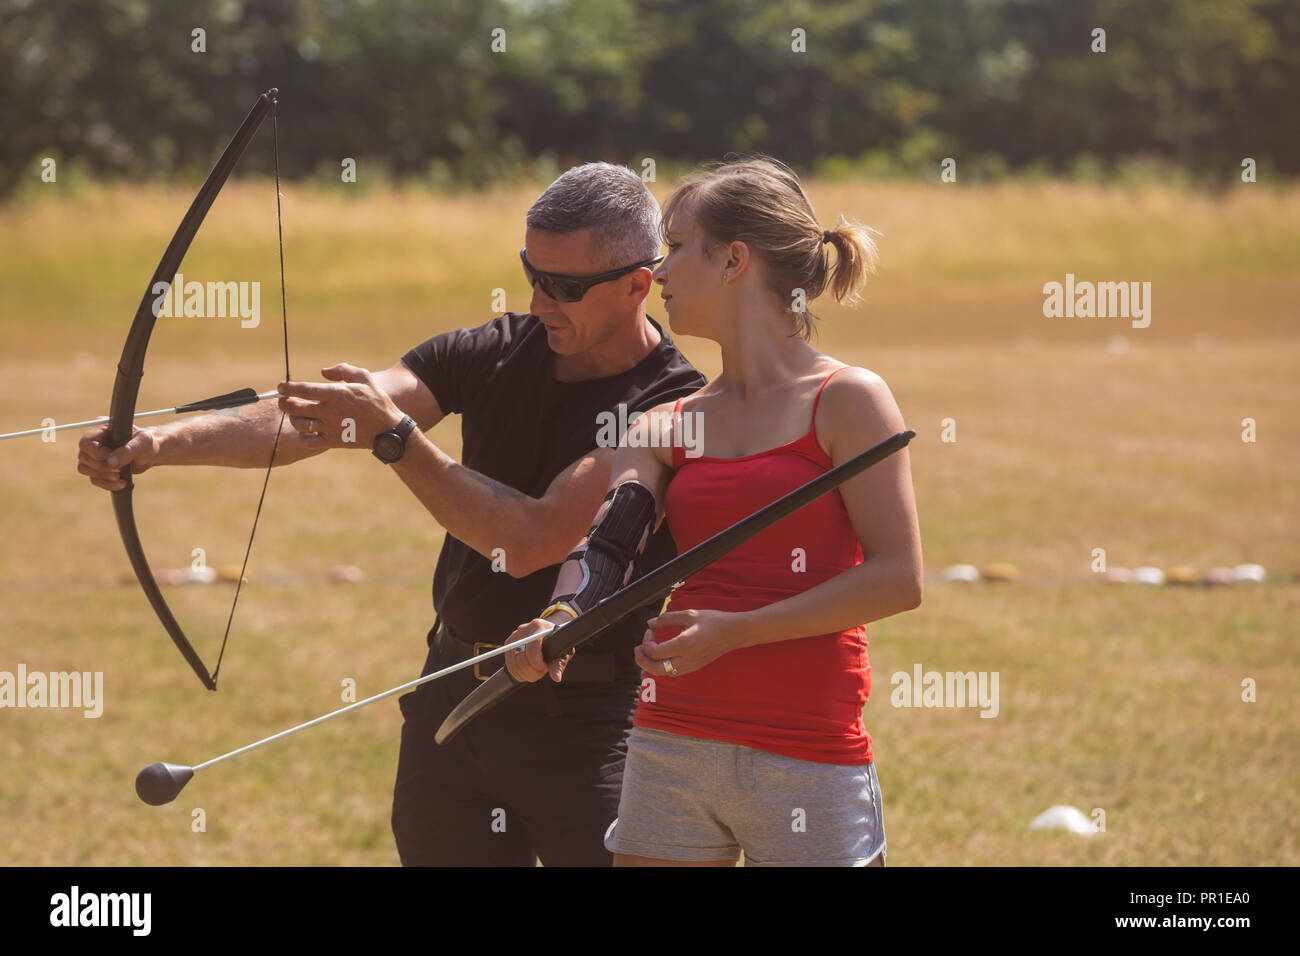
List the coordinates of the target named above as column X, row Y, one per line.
column 522, row 427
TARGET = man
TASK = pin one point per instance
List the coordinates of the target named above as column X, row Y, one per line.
column 541, row 775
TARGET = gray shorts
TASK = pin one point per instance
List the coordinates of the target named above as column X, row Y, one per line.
column 688, row 799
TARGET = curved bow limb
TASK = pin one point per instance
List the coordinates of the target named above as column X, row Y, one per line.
column 130, row 371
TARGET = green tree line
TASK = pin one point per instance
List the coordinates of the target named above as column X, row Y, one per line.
column 467, row 92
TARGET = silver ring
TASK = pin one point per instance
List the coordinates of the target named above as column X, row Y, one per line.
column 668, row 667
column 521, row 649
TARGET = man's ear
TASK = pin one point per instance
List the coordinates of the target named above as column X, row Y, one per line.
column 640, row 283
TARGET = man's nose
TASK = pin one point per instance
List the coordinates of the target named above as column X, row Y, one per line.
column 541, row 304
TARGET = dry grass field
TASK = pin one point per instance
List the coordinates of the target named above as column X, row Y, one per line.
column 1071, row 435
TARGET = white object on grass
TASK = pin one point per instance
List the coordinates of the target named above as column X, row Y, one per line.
column 1063, row 818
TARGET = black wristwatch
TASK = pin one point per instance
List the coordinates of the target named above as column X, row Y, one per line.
column 389, row 446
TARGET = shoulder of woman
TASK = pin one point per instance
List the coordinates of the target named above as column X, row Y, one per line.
column 851, row 383
column 858, row 402
column 657, row 432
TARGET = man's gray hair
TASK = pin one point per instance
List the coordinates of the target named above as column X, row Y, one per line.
column 612, row 201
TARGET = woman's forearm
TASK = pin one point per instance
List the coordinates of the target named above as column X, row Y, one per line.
column 867, row 592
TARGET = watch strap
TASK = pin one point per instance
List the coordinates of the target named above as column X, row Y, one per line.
column 401, row 431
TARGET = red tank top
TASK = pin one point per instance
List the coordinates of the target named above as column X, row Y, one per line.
column 801, row 697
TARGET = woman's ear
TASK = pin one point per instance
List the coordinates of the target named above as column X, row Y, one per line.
column 737, row 258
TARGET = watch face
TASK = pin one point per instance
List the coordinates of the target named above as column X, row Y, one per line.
column 388, row 447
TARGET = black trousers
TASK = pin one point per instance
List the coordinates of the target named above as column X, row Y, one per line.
column 538, row 776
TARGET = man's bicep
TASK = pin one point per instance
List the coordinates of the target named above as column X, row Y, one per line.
column 411, row 395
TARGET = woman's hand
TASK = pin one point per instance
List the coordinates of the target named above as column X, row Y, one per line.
column 526, row 663
column 705, row 636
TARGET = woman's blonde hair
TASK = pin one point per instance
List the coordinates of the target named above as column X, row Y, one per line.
column 757, row 200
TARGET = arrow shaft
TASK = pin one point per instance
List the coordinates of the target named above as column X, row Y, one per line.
column 496, row 652
column 178, row 410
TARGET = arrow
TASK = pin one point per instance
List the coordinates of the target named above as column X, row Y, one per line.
column 243, row 396
column 160, row 782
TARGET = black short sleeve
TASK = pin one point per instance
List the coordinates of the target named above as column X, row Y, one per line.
column 453, row 364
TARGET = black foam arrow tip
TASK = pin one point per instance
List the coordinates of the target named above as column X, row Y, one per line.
column 159, row 783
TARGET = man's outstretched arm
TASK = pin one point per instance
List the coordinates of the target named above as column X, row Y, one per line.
column 492, row 518
column 347, row 412
column 235, row 437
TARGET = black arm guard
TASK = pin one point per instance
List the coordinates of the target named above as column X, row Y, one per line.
column 622, row 526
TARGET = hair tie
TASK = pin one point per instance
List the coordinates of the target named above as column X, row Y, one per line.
column 826, row 236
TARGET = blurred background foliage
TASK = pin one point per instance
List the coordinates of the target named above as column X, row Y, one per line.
column 413, row 90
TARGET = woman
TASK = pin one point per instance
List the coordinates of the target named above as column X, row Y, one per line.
column 749, row 734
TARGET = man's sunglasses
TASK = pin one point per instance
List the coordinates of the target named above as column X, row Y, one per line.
column 564, row 288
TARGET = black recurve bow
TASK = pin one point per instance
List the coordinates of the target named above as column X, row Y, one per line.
column 130, row 370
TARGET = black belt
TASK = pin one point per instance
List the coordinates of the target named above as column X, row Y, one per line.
column 593, row 668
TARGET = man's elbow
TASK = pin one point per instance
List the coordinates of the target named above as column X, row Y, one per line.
column 520, row 562
column 530, row 555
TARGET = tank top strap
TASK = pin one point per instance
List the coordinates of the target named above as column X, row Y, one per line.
column 679, row 453
column 812, row 425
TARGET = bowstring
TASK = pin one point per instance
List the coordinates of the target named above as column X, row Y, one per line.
column 284, row 312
